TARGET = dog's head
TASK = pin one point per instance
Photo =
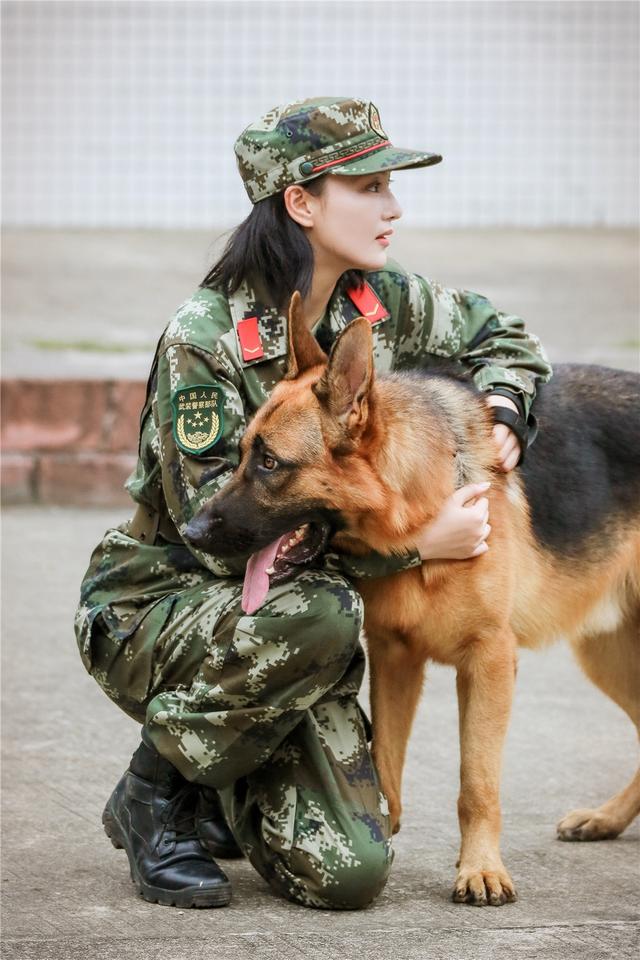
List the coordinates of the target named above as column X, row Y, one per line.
column 301, row 460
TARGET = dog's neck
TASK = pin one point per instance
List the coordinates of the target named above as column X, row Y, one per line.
column 425, row 438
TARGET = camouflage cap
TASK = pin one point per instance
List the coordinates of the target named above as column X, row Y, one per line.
column 300, row 141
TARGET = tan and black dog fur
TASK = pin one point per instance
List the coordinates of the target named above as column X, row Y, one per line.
column 376, row 459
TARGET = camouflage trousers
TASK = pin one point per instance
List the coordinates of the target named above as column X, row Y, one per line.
column 263, row 708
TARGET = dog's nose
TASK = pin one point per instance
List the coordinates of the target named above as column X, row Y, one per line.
column 201, row 528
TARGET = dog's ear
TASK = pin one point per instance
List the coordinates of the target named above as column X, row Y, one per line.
column 345, row 385
column 304, row 349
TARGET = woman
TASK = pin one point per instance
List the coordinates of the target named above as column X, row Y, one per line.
column 252, row 721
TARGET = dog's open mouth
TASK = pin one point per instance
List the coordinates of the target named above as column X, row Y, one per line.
column 279, row 561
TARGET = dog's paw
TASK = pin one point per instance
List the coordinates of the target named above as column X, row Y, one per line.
column 587, row 825
column 395, row 810
column 483, row 888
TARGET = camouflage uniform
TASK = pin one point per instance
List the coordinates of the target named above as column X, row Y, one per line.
column 263, row 707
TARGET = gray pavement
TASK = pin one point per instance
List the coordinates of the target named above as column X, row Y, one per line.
column 92, row 303
column 66, row 891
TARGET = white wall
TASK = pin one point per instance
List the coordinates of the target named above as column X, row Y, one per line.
column 125, row 113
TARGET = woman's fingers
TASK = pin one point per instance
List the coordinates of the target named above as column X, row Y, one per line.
column 480, row 549
column 470, row 492
column 512, row 459
column 486, row 530
column 508, row 446
column 461, row 528
column 480, row 510
column 501, row 432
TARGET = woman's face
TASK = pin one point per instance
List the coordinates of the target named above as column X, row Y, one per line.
column 350, row 226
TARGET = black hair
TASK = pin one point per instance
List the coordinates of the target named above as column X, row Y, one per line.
column 271, row 246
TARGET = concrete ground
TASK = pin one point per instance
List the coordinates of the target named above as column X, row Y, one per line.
column 67, row 893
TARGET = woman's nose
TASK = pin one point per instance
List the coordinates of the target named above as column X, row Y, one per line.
column 394, row 211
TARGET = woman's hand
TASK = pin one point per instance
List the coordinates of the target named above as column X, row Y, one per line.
column 461, row 528
column 504, row 438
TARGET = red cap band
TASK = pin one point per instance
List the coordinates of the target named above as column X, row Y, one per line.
column 351, row 156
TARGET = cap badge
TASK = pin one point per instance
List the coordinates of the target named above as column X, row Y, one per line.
column 374, row 122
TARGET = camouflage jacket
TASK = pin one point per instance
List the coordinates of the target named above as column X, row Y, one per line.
column 216, row 364
column 238, row 345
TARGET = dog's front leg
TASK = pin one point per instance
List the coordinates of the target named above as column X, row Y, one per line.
column 485, row 682
column 397, row 673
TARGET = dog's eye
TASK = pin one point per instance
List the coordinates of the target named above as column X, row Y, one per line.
column 269, row 463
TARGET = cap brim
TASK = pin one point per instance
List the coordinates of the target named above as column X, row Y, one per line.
column 388, row 158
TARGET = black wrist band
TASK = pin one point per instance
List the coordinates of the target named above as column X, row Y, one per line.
column 512, row 395
column 516, row 423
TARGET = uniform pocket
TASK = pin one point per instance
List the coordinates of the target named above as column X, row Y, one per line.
column 127, row 596
column 122, row 648
column 123, row 618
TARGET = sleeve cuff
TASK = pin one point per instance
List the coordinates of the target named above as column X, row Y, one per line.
column 372, row 564
column 494, row 379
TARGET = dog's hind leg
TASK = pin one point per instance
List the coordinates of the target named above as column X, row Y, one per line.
column 397, row 674
column 485, row 682
column 612, row 662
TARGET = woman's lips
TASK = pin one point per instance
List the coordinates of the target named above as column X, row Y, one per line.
column 384, row 241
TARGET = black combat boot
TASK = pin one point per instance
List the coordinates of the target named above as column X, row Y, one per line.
column 212, row 827
column 151, row 813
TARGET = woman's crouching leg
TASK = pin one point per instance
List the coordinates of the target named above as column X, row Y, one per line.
column 312, row 819
column 258, row 678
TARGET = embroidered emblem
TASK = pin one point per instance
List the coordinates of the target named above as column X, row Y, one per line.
column 366, row 301
column 197, row 417
column 250, row 340
column 374, row 121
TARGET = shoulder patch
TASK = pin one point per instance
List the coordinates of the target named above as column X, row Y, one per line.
column 198, row 417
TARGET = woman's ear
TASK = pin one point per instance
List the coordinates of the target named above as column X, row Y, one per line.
column 299, row 204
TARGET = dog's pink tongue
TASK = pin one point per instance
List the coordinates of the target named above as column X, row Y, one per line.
column 256, row 578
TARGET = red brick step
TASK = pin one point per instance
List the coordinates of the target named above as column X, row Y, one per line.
column 70, row 442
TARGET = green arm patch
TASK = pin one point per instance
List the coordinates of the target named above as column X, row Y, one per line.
column 198, row 417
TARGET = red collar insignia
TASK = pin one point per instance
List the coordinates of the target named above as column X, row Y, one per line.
column 250, row 340
column 368, row 304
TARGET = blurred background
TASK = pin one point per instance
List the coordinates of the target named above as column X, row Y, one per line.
column 124, row 114
column 119, row 177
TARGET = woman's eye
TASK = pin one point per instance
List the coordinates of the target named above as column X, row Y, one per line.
column 269, row 463
column 376, row 186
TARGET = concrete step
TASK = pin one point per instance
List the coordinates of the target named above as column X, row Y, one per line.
column 69, row 441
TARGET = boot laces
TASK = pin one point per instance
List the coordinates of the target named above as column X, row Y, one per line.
column 179, row 815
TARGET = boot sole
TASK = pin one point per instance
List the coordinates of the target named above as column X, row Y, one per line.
column 189, row 897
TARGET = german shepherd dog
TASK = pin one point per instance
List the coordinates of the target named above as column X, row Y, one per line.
column 374, row 461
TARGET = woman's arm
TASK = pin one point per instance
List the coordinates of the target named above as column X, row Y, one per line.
column 505, row 361
column 465, row 328
column 192, row 391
